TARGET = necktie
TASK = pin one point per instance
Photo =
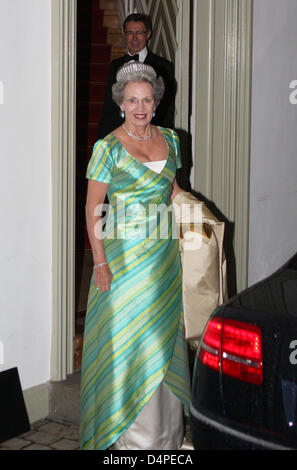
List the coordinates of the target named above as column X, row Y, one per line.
column 131, row 57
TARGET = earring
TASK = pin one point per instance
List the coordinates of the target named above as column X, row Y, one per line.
column 154, row 114
column 122, row 114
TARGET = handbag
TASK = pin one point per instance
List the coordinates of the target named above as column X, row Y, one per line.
column 204, row 279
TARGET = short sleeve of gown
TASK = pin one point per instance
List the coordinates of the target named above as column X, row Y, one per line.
column 101, row 163
column 177, row 150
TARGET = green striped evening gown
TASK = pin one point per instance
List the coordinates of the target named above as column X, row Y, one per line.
column 133, row 338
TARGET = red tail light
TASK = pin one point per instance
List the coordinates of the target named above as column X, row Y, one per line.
column 233, row 347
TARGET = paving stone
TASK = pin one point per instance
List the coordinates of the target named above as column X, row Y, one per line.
column 53, row 428
column 37, row 447
column 57, row 434
column 46, row 434
column 37, row 424
column 27, row 435
column 15, row 443
column 71, row 433
column 65, row 444
column 45, row 438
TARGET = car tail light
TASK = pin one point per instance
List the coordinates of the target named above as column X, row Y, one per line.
column 234, row 348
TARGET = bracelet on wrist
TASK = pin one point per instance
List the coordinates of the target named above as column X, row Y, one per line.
column 99, row 265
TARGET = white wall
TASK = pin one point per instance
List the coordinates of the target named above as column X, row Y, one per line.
column 25, row 189
column 273, row 197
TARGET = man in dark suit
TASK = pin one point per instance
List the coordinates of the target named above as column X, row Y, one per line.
column 137, row 29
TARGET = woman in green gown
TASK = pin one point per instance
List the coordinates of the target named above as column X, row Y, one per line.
column 134, row 378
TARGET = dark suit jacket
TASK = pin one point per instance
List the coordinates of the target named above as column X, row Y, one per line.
column 111, row 119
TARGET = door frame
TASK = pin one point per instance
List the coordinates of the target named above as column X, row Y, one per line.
column 229, row 131
column 63, row 140
column 222, row 113
column 182, row 57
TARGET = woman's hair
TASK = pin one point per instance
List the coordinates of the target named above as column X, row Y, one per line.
column 135, row 72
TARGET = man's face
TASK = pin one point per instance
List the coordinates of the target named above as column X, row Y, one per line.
column 136, row 36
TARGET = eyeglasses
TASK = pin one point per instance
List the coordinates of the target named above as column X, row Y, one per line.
column 135, row 101
column 138, row 33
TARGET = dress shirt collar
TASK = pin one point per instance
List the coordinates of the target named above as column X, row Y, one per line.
column 142, row 54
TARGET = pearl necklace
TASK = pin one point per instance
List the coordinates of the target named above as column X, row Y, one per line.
column 137, row 137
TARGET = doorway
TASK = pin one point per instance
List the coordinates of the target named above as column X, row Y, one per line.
column 64, row 29
column 99, row 40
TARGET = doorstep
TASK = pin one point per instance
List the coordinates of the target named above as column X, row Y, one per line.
column 64, row 399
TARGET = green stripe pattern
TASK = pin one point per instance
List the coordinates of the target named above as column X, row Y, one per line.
column 133, row 336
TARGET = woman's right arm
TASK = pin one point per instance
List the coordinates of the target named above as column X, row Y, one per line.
column 95, row 197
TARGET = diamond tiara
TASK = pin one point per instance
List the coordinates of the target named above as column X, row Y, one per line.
column 134, row 67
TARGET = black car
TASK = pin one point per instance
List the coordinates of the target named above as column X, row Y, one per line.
column 244, row 393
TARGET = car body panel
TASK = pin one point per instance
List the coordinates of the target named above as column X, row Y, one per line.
column 228, row 409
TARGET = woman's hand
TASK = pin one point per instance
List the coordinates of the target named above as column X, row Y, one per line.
column 102, row 278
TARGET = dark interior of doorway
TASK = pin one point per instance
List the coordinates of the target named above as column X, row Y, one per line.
column 99, row 40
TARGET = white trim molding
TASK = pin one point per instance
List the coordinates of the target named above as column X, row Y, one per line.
column 222, row 115
column 182, row 61
column 63, row 183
